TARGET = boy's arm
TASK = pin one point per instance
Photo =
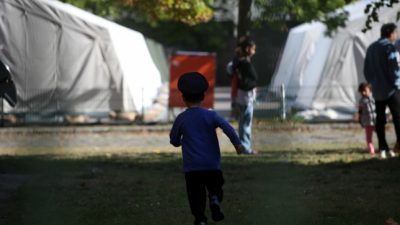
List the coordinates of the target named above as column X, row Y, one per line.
column 230, row 132
column 175, row 135
column 239, row 149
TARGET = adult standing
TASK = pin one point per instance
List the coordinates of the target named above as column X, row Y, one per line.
column 232, row 74
column 246, row 94
column 382, row 71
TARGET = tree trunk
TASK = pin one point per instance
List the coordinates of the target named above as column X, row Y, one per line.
column 244, row 22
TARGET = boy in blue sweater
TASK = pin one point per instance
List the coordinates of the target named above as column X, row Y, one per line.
column 195, row 131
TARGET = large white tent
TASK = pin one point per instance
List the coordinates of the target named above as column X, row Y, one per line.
column 321, row 74
column 64, row 59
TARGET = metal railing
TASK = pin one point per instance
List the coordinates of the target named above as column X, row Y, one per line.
column 271, row 103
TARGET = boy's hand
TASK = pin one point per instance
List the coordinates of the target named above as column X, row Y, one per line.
column 239, row 149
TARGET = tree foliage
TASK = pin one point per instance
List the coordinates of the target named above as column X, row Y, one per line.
column 190, row 12
column 372, row 12
column 276, row 13
column 279, row 13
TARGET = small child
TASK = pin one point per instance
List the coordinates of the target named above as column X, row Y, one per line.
column 195, row 130
column 366, row 113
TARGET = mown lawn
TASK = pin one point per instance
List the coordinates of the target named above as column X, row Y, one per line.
column 323, row 185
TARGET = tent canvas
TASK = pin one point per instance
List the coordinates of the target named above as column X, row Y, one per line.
column 321, row 74
column 64, row 59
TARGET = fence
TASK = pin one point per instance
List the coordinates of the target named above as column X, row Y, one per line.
column 328, row 102
column 65, row 106
column 271, row 103
column 49, row 110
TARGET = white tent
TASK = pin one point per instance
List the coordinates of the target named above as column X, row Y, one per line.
column 64, row 59
column 321, row 74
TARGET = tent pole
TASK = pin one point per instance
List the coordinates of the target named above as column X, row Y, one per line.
column 142, row 104
column 283, row 94
column 2, row 112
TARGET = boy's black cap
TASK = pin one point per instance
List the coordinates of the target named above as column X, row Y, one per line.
column 192, row 83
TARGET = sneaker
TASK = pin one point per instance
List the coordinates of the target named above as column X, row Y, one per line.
column 216, row 213
column 371, row 149
column 392, row 154
column 383, row 154
column 251, row 152
column 254, row 152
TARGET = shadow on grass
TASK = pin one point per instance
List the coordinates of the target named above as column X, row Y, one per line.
column 293, row 187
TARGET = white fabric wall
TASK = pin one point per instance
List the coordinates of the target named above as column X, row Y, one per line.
column 141, row 76
column 65, row 59
column 329, row 70
column 312, row 75
column 298, row 52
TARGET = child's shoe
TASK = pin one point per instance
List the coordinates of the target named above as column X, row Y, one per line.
column 371, row 149
column 201, row 222
column 216, row 213
column 392, row 154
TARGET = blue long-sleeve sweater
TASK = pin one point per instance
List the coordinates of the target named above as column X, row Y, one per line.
column 381, row 69
column 195, row 131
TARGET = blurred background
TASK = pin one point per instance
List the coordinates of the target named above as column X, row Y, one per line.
column 117, row 61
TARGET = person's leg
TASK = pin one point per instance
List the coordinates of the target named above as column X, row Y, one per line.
column 394, row 106
column 369, row 130
column 234, row 91
column 214, row 183
column 196, row 192
column 380, row 125
column 234, row 109
column 245, row 121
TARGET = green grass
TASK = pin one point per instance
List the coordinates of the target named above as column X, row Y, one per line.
column 323, row 185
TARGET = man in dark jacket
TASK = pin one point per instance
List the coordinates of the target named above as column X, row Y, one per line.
column 381, row 70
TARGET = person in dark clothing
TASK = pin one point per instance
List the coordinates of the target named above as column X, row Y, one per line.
column 382, row 71
column 233, row 75
column 246, row 93
column 195, row 131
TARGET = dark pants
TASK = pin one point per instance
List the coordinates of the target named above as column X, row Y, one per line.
column 394, row 105
column 197, row 183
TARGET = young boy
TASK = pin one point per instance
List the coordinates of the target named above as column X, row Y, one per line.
column 195, row 131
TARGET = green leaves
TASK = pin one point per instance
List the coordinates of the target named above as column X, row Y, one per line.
column 372, row 12
column 283, row 11
column 190, row 12
column 334, row 21
column 276, row 13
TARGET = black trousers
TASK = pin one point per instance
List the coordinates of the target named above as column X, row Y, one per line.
column 394, row 105
column 197, row 185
